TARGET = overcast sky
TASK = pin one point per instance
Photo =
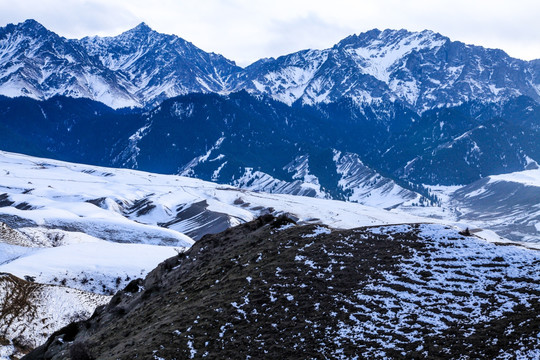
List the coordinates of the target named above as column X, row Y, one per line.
column 246, row 30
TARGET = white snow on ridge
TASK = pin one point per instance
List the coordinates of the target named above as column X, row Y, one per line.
column 368, row 187
column 526, row 177
column 98, row 267
column 262, row 182
column 378, row 58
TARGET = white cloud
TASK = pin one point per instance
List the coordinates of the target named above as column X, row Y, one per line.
column 245, row 30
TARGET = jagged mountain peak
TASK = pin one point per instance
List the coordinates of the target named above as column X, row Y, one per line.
column 389, row 37
column 142, row 27
column 31, row 24
column 29, row 28
column 141, row 36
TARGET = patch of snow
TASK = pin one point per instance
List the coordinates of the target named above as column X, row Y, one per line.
column 319, row 230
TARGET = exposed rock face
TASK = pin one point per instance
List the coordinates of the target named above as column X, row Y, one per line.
column 271, row 289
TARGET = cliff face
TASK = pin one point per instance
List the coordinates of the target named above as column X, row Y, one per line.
column 272, row 289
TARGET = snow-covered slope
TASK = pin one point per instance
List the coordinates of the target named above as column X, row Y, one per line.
column 67, row 274
column 508, row 203
column 158, row 209
column 95, row 266
column 30, row 312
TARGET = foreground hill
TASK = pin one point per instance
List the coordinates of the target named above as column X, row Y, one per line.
column 271, row 289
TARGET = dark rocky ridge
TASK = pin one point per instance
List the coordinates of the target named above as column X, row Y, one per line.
column 270, row 289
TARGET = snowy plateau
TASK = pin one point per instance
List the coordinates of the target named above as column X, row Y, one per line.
column 79, row 233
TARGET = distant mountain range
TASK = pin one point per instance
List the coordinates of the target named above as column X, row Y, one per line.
column 371, row 120
column 142, row 67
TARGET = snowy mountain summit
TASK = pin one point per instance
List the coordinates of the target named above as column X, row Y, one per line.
column 160, row 66
column 37, row 63
column 136, row 68
column 421, row 69
column 142, row 67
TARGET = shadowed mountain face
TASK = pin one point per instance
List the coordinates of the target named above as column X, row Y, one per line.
column 272, row 289
column 339, row 150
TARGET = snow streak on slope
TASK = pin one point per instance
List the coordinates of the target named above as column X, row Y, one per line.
column 187, row 170
column 448, row 280
column 368, row 187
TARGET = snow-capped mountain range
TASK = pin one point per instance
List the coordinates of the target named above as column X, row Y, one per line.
column 141, row 67
column 379, row 120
